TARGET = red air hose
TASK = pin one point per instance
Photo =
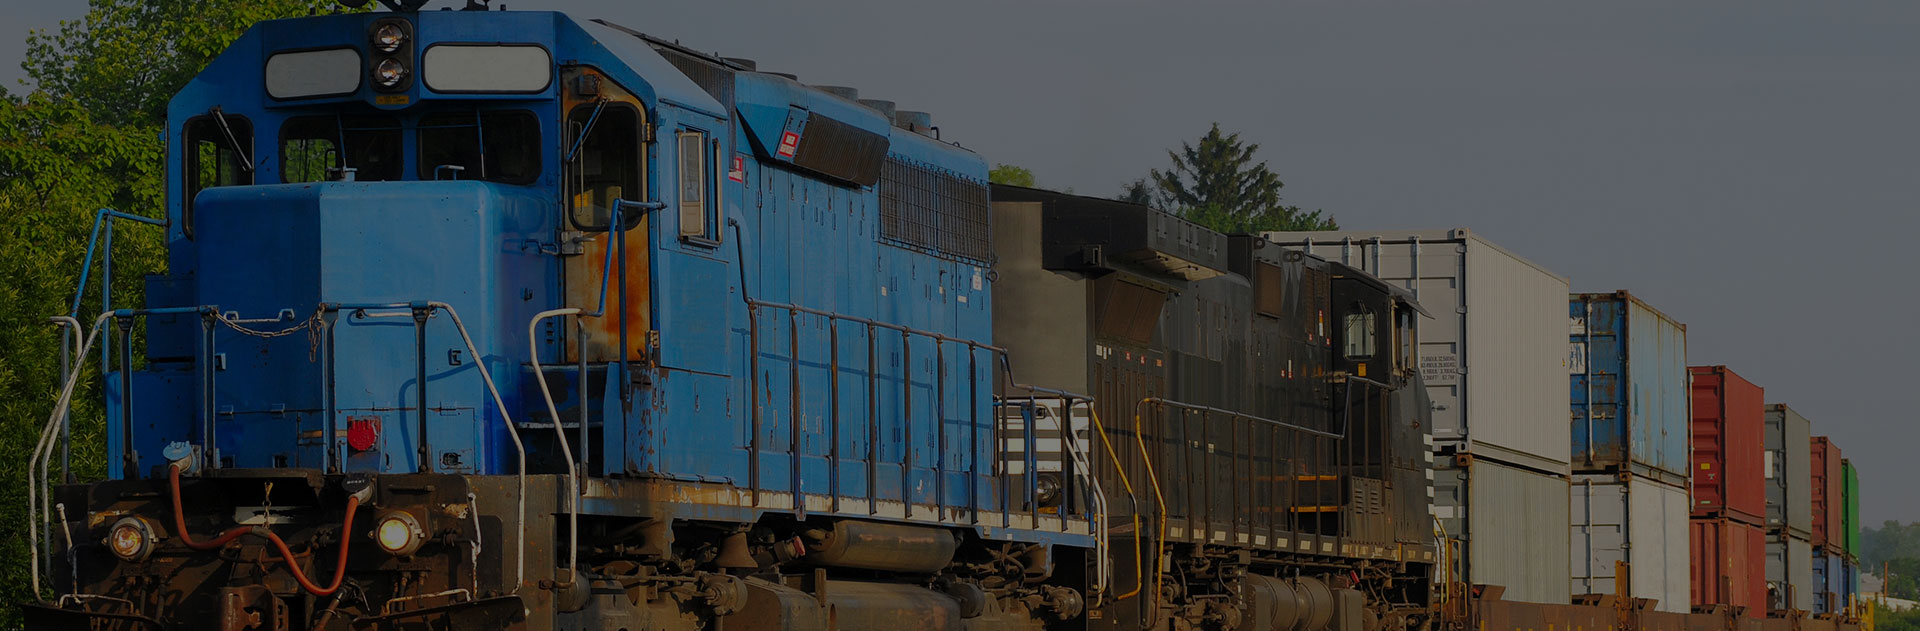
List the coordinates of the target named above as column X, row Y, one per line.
column 293, row 565
column 180, row 519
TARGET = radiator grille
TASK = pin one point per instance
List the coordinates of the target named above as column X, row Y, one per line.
column 934, row 211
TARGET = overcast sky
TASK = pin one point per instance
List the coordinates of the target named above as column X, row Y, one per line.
column 1747, row 167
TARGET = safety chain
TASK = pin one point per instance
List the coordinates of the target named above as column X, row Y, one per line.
column 314, row 325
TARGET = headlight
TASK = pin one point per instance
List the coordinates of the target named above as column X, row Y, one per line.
column 131, row 539
column 398, row 533
column 389, row 73
column 389, row 37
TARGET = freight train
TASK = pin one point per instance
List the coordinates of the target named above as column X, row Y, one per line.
column 510, row 320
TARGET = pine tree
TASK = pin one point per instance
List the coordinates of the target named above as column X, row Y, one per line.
column 1217, row 183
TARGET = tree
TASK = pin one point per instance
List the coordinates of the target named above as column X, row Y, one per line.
column 1218, row 184
column 1011, row 175
column 1137, row 192
column 86, row 136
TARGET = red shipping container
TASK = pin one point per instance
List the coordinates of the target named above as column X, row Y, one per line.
column 1828, row 486
column 1729, row 564
column 1729, row 418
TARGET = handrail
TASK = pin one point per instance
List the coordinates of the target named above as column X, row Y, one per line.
column 101, row 217
column 63, row 403
column 1070, row 450
column 1139, row 407
column 1139, row 562
column 566, row 449
column 45, row 446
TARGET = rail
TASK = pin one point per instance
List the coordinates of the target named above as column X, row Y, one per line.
column 1244, row 483
column 319, row 327
column 872, row 331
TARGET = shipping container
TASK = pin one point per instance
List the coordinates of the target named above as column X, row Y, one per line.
column 1828, row 489
column 1728, row 419
column 1640, row 521
column 1789, row 571
column 1850, row 515
column 1494, row 354
column 1507, row 526
column 1729, row 564
column 1789, row 476
column 1629, row 387
column 1833, row 581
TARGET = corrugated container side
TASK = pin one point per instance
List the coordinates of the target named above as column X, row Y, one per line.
column 1789, row 476
column 1850, row 517
column 1729, row 564
column 1642, row 522
column 1728, row 451
column 1827, row 488
column 1789, row 572
column 1629, row 387
column 1510, row 526
column 1833, row 582
column 1494, row 355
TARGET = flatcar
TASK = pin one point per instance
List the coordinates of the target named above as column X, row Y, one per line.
column 486, row 319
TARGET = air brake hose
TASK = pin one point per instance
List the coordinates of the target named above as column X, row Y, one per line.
column 293, row 565
column 180, row 519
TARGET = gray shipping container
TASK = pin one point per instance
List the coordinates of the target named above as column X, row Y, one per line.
column 1789, row 572
column 1494, row 356
column 1789, row 471
column 1642, row 522
column 1507, row 526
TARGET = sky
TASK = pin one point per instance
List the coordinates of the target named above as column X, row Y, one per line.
column 1711, row 156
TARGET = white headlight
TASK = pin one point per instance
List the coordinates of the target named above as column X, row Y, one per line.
column 389, row 37
column 398, row 533
column 389, row 73
column 131, row 539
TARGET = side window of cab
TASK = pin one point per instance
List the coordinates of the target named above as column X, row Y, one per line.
column 604, row 156
column 217, row 149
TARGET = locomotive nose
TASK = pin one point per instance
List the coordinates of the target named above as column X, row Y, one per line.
column 283, row 252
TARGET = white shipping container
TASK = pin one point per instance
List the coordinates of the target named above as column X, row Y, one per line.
column 1494, row 355
column 1505, row 526
column 1642, row 522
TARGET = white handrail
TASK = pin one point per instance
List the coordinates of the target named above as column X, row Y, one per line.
column 480, row 362
column 46, row 442
column 566, row 449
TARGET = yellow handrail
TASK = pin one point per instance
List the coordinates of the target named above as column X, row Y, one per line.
column 1139, row 564
column 1160, row 505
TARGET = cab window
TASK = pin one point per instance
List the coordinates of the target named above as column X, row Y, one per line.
column 604, row 140
column 698, row 220
column 324, row 148
column 1360, row 332
column 217, row 152
column 1403, row 337
column 496, row 146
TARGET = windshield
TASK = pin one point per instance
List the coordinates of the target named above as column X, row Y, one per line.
column 496, row 146
column 319, row 148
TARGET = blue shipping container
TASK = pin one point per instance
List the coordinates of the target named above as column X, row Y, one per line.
column 1834, row 581
column 1628, row 364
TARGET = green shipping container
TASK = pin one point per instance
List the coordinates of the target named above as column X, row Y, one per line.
column 1850, row 515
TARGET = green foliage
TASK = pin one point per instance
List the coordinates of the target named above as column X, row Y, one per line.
column 1011, row 175
column 1218, row 184
column 1895, row 549
column 1885, row 619
column 126, row 58
column 89, row 136
column 1136, row 192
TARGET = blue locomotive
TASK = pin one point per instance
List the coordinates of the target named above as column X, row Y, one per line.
column 485, row 319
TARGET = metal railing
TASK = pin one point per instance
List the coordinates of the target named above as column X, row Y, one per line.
column 872, row 331
column 320, row 329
